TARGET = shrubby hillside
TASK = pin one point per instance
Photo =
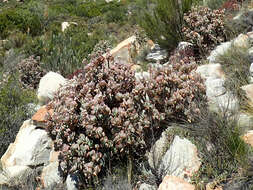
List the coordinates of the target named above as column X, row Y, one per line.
column 174, row 107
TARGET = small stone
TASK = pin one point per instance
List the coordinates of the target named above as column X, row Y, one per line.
column 50, row 176
column 157, row 54
column 142, row 75
column 181, row 159
column 72, row 182
column 65, row 25
column 249, row 91
column 145, row 186
column 175, row 183
column 40, row 115
column 248, row 137
column 242, row 41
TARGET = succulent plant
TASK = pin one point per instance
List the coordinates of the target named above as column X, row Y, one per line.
column 108, row 114
column 205, row 28
column 30, row 72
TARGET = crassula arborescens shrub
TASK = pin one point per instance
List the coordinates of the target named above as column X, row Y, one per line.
column 105, row 113
column 30, row 72
column 205, row 28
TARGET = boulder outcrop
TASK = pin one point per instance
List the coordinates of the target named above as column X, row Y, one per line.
column 48, row 86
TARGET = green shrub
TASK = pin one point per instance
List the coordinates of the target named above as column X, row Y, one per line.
column 236, row 63
column 225, row 156
column 17, row 39
column 89, row 10
column 164, row 23
column 63, row 52
column 20, row 19
column 116, row 13
column 13, row 109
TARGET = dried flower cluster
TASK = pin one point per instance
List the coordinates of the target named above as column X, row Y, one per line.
column 30, row 72
column 108, row 113
column 204, row 28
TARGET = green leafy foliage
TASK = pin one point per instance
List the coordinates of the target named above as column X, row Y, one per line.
column 236, row 63
column 225, row 156
column 63, row 52
column 13, row 109
column 163, row 24
column 21, row 19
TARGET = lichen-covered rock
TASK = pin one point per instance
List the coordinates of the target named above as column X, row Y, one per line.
column 249, row 91
column 48, row 85
column 219, row 50
column 211, row 70
column 215, row 87
column 31, row 148
column 227, row 101
column 158, row 150
column 122, row 52
column 248, row 137
column 41, row 115
column 181, row 159
column 241, row 41
column 50, row 176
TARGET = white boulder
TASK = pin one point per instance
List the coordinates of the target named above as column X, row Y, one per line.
column 215, row 87
column 219, row 50
column 210, row 70
column 50, row 176
column 48, row 85
column 180, row 160
column 31, row 148
column 65, row 25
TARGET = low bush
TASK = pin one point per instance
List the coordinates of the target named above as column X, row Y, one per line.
column 204, row 28
column 163, row 23
column 63, row 52
column 30, row 72
column 225, row 156
column 13, row 109
column 89, row 10
column 20, row 19
column 236, row 63
column 108, row 115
